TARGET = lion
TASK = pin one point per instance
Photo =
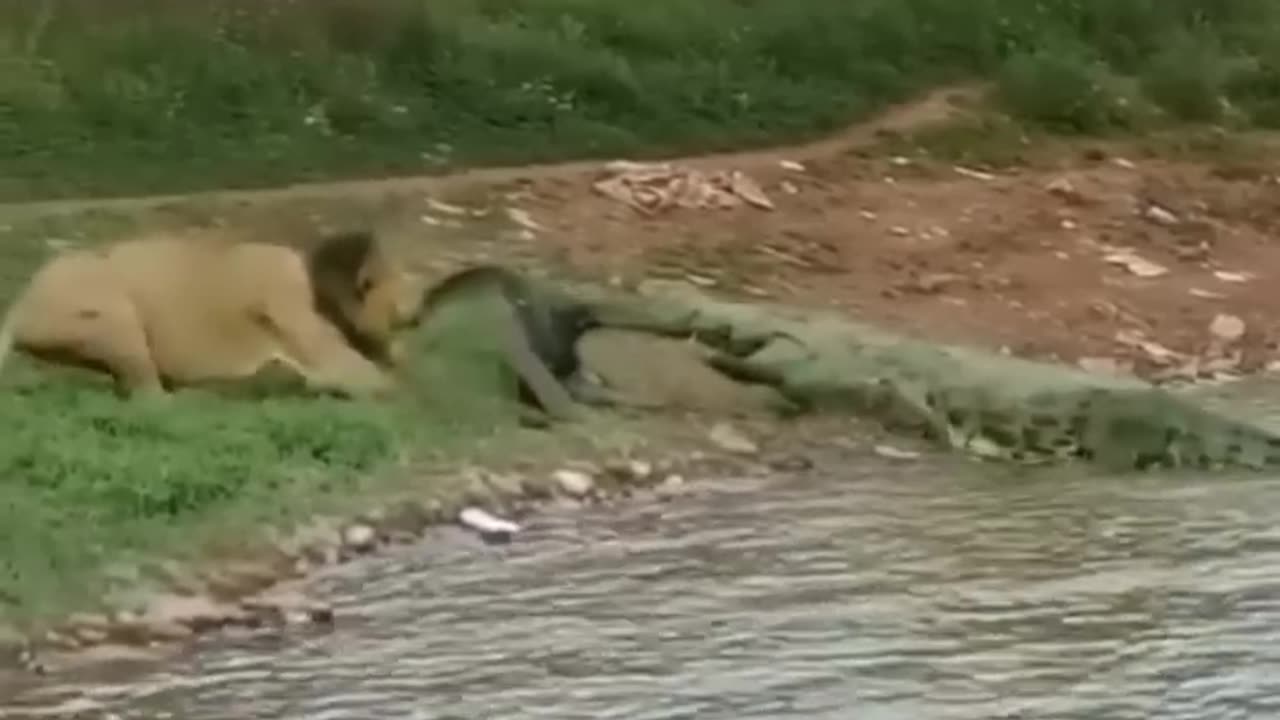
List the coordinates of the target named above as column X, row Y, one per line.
column 161, row 311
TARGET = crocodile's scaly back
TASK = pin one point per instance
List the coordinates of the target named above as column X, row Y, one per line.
column 979, row 402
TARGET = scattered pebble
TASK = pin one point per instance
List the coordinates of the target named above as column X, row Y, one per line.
column 728, row 438
column 490, row 527
column 791, row 165
column 1205, row 294
column 1136, row 265
column 446, row 208
column 1232, row 277
column 1160, row 215
column 975, row 174
column 1227, row 328
column 360, row 538
column 671, row 486
column 524, row 219
column 893, row 453
column 574, row 483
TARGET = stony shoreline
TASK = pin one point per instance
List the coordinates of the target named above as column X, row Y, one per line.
column 262, row 591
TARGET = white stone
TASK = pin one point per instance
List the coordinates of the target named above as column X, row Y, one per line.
column 729, row 438
column 485, row 523
column 574, row 482
column 360, row 538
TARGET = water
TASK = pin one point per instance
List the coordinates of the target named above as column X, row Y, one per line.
column 879, row 591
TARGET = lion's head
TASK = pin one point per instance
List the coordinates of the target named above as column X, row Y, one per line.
column 364, row 291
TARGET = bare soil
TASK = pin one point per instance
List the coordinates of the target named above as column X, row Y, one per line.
column 1010, row 258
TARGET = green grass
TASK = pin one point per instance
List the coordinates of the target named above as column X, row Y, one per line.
column 137, row 96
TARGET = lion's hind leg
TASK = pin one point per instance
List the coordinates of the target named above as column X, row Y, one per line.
column 109, row 338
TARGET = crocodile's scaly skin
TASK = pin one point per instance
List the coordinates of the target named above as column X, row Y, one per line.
column 983, row 403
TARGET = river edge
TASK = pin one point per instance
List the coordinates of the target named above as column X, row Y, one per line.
column 262, row 588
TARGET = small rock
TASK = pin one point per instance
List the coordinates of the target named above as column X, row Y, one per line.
column 524, row 219
column 789, row 187
column 1227, row 328
column 640, row 469
column 894, row 453
column 975, row 174
column 360, row 538
column 490, row 528
column 900, row 161
column 1136, row 265
column 1122, row 162
column 1160, row 215
column 1232, row 277
column 791, row 165
column 574, row 483
column 446, row 208
column 1205, row 294
column 671, row 486
column 1065, row 189
column 630, row 470
column 899, row 231
column 730, row 439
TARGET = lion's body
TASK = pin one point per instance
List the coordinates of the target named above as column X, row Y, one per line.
column 166, row 311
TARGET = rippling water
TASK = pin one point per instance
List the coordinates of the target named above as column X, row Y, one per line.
column 882, row 590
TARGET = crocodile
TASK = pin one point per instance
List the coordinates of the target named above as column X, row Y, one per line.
column 982, row 403
column 489, row 315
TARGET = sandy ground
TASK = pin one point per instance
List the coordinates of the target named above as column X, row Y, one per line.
column 1089, row 253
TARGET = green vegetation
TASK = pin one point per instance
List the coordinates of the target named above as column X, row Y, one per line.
column 135, row 96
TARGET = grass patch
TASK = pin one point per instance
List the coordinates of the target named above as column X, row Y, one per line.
column 138, row 96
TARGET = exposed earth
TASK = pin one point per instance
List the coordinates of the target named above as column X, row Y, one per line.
column 1101, row 253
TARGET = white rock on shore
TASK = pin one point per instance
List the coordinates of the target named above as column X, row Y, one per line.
column 360, row 538
column 487, row 525
column 575, row 483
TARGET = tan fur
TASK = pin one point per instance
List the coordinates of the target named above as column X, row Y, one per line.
column 170, row 310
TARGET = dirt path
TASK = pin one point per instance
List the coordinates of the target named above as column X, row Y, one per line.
column 1084, row 255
